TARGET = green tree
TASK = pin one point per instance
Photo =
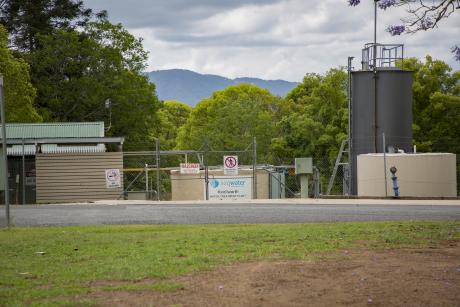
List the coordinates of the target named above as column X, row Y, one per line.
column 25, row 19
column 172, row 115
column 19, row 93
column 76, row 71
column 230, row 118
column 436, row 108
column 315, row 117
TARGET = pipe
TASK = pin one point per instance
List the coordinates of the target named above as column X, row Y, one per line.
column 350, row 160
column 393, row 171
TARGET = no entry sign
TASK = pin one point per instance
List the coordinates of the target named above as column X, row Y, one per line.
column 231, row 165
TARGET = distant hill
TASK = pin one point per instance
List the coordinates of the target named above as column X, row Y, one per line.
column 190, row 87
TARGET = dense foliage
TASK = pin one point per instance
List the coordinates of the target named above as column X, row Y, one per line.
column 230, row 118
column 436, row 109
column 315, row 117
column 172, row 115
column 75, row 72
column 26, row 19
column 19, row 93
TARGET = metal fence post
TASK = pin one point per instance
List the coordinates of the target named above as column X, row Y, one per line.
column 5, row 154
column 23, row 174
column 206, row 174
column 157, row 147
column 146, row 169
column 254, row 168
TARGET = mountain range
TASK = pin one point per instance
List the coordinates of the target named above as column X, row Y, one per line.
column 190, row 87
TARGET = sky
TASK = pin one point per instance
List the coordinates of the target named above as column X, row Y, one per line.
column 269, row 39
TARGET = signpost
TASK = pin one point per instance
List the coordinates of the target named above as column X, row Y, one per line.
column 231, row 165
column 5, row 155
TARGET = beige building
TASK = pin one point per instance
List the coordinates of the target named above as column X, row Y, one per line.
column 418, row 175
column 62, row 162
column 192, row 186
column 79, row 177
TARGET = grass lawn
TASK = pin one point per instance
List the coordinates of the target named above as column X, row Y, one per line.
column 46, row 266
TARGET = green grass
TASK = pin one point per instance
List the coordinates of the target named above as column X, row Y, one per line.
column 74, row 257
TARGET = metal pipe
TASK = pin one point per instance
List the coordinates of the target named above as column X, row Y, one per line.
column 385, row 163
column 5, row 154
column 23, row 175
column 393, row 171
column 375, row 33
column 350, row 159
column 375, row 75
column 146, row 168
column 206, row 174
column 157, row 147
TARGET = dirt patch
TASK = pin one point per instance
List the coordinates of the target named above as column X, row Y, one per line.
column 412, row 277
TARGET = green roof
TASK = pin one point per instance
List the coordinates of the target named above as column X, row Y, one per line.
column 54, row 130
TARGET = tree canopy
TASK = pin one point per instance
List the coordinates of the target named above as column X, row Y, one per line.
column 172, row 115
column 436, row 108
column 75, row 72
column 230, row 118
column 26, row 19
column 18, row 91
column 315, row 117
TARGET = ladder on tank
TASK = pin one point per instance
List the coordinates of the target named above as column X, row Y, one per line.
column 346, row 174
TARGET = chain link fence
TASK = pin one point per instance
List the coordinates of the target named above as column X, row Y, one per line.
column 147, row 174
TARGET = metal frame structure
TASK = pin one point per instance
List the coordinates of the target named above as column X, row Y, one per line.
column 203, row 157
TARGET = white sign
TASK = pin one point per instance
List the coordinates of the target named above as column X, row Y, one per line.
column 189, row 168
column 231, row 165
column 235, row 188
column 112, row 178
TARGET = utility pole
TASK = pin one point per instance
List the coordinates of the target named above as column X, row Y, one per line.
column 5, row 156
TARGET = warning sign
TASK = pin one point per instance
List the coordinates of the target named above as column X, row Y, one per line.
column 112, row 178
column 231, row 165
column 189, row 168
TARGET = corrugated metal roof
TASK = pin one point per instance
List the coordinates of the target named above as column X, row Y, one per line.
column 30, row 150
column 54, row 130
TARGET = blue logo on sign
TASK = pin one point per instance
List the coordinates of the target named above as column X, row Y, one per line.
column 214, row 183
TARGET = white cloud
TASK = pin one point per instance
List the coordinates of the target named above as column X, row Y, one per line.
column 277, row 39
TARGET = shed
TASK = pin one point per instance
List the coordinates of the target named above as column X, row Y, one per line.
column 61, row 162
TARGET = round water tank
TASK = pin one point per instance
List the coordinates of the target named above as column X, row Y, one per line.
column 381, row 104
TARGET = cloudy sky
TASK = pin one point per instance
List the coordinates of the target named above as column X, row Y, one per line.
column 271, row 39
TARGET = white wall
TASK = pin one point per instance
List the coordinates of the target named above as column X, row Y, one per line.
column 419, row 175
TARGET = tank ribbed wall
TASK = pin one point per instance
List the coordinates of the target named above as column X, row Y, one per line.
column 380, row 104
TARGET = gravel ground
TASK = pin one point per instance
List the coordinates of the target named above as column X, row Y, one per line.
column 223, row 213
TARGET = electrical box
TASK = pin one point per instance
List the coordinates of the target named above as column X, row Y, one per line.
column 303, row 166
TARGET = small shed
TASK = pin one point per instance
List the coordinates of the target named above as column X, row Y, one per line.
column 62, row 162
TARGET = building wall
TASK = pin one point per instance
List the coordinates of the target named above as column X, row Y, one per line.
column 419, row 175
column 191, row 186
column 76, row 177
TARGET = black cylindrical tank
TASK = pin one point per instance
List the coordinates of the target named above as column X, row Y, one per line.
column 381, row 104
